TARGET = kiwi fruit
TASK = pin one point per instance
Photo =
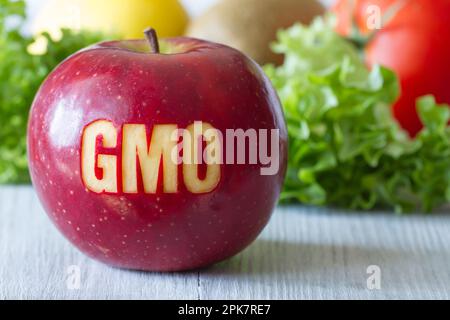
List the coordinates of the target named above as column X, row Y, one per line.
column 251, row 25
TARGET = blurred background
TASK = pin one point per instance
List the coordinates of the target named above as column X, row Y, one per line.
column 370, row 138
column 195, row 7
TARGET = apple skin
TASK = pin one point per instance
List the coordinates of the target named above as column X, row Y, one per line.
column 117, row 81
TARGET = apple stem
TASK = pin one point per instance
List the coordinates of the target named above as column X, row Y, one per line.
column 152, row 38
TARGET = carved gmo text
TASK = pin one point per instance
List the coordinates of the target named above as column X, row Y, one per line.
column 150, row 156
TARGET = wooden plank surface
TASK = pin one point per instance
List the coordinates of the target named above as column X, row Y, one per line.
column 305, row 253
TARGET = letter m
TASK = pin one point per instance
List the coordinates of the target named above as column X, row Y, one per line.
column 135, row 149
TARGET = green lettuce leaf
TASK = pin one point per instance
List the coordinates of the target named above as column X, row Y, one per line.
column 346, row 149
column 21, row 74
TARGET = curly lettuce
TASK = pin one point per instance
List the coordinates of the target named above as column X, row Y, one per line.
column 346, row 149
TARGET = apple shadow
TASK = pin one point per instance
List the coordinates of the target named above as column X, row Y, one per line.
column 266, row 257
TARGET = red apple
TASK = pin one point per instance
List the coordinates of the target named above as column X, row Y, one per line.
column 101, row 108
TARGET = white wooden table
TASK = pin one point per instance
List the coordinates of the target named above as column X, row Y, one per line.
column 305, row 253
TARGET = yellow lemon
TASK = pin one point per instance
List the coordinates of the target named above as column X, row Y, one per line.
column 123, row 18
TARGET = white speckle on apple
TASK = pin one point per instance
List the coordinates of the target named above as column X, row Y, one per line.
column 105, row 251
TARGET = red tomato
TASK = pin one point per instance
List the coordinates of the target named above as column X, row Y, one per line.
column 415, row 43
